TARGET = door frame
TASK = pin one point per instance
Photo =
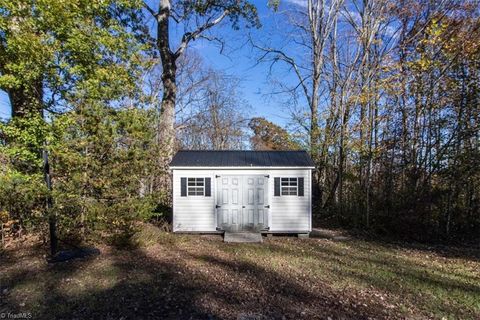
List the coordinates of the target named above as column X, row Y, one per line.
column 267, row 205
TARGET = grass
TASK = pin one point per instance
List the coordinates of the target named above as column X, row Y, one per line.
column 190, row 276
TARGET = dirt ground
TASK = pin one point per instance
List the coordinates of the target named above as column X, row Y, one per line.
column 200, row 277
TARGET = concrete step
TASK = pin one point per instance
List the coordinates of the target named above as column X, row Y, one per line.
column 242, row 237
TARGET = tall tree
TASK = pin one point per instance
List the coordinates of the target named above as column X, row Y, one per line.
column 197, row 18
column 56, row 53
column 310, row 25
column 53, row 50
column 398, row 126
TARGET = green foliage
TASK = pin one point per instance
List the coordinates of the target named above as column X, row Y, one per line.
column 274, row 4
column 236, row 10
column 24, row 137
column 103, row 161
column 102, row 164
column 57, row 51
column 83, row 55
column 4, row 216
column 22, row 189
column 23, row 197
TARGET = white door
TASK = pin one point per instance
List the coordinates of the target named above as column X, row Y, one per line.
column 254, row 203
column 242, row 203
column 229, row 202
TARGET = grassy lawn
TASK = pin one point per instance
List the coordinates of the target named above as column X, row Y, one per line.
column 200, row 277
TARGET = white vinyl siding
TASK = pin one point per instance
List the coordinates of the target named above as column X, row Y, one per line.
column 291, row 213
column 192, row 213
column 286, row 213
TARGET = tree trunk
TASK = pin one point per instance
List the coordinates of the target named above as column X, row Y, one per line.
column 166, row 125
column 166, row 129
column 318, row 174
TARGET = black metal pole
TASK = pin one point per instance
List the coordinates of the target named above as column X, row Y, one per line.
column 52, row 221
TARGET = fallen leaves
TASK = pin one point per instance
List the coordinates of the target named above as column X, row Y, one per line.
column 193, row 277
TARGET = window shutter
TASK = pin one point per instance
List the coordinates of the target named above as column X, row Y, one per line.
column 300, row 187
column 183, row 187
column 276, row 187
column 208, row 187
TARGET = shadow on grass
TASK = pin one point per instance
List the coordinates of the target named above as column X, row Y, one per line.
column 198, row 278
column 427, row 286
column 469, row 251
column 179, row 284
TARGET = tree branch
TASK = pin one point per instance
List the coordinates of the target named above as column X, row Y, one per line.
column 281, row 56
column 150, row 10
column 189, row 36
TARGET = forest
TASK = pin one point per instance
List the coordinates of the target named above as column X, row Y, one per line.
column 384, row 95
column 98, row 96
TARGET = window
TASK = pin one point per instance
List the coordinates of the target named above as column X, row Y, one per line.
column 196, row 186
column 289, row 186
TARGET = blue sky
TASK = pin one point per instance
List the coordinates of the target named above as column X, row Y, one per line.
column 238, row 60
column 4, row 105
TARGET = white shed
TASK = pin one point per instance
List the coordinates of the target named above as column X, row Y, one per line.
column 262, row 191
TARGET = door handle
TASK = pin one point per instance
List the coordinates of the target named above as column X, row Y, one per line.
column 217, row 206
column 243, row 206
column 267, row 206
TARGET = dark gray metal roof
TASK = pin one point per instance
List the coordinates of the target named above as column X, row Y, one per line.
column 241, row 158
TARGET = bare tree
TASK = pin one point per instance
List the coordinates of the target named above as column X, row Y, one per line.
column 197, row 18
column 374, row 42
column 311, row 26
column 215, row 117
column 336, row 50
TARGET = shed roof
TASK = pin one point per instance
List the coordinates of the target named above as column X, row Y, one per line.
column 241, row 158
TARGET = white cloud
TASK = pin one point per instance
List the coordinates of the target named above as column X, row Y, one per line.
column 300, row 3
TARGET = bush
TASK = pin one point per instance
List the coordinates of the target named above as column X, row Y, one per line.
column 23, row 196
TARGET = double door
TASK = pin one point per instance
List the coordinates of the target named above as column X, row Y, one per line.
column 242, row 202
